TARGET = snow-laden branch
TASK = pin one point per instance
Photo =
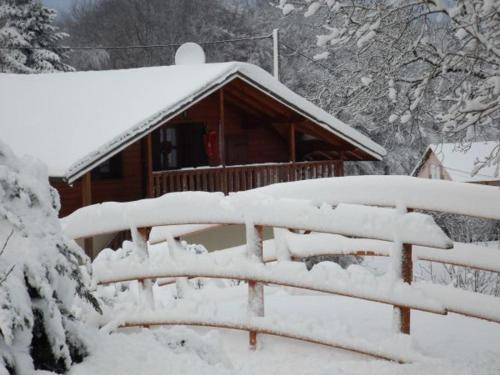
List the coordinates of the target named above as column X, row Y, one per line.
column 430, row 49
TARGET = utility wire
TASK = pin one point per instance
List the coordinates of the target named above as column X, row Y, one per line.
column 146, row 46
column 307, row 57
column 468, row 173
column 167, row 45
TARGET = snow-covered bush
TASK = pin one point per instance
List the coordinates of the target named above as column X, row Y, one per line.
column 469, row 230
column 40, row 274
column 343, row 260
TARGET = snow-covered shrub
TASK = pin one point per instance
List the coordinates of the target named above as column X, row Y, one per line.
column 40, row 273
column 183, row 340
column 469, row 230
column 343, row 260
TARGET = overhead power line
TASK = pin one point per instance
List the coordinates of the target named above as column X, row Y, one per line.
column 171, row 45
column 147, row 46
column 307, row 57
column 468, row 173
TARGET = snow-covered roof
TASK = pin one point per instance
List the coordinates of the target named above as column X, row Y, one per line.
column 72, row 121
column 459, row 160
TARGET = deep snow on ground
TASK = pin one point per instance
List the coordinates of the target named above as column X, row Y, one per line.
column 451, row 344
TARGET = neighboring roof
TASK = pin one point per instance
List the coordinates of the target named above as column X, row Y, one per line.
column 459, row 160
column 73, row 121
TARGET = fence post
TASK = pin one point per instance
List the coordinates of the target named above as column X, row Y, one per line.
column 140, row 238
column 404, row 271
column 255, row 290
column 407, row 275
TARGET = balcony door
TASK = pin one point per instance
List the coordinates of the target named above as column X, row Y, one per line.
column 179, row 146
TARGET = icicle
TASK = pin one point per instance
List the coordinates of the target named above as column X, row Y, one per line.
column 175, row 249
column 145, row 287
column 397, row 246
column 141, row 246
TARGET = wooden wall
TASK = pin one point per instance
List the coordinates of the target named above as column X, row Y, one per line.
column 129, row 187
column 247, row 139
column 490, row 183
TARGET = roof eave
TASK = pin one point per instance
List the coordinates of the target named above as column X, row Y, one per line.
column 421, row 161
column 345, row 137
column 75, row 172
column 70, row 176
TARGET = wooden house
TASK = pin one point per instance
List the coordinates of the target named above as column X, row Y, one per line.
column 457, row 162
column 123, row 135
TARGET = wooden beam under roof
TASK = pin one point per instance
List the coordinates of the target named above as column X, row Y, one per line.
column 242, row 89
column 247, row 106
column 88, row 243
column 245, row 101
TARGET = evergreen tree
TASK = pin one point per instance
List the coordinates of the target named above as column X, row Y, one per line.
column 41, row 277
column 29, row 42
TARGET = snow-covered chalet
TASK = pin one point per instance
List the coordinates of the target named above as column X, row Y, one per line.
column 122, row 135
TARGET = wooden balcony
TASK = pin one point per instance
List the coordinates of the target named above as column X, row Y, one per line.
column 236, row 178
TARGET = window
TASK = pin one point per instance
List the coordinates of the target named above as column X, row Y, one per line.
column 179, row 146
column 109, row 169
column 435, row 172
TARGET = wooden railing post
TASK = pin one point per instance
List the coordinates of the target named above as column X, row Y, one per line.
column 224, row 189
column 255, row 290
column 149, row 167
column 230, row 178
column 291, row 143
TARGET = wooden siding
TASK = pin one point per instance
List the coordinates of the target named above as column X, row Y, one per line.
column 256, row 129
column 262, row 143
column 130, row 187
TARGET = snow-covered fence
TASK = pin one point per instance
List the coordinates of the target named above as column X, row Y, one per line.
column 251, row 268
column 376, row 230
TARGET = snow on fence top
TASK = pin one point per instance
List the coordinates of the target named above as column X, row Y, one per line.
column 419, row 193
column 354, row 282
column 214, row 208
column 333, row 335
column 109, row 110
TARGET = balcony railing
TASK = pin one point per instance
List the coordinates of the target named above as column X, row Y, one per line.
column 237, row 178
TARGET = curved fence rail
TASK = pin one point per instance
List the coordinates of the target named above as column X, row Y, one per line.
column 373, row 231
column 369, row 350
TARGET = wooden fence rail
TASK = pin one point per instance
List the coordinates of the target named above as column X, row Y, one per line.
column 254, row 247
column 237, row 178
column 313, row 219
column 373, row 351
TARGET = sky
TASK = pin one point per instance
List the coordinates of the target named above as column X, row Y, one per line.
column 59, row 5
